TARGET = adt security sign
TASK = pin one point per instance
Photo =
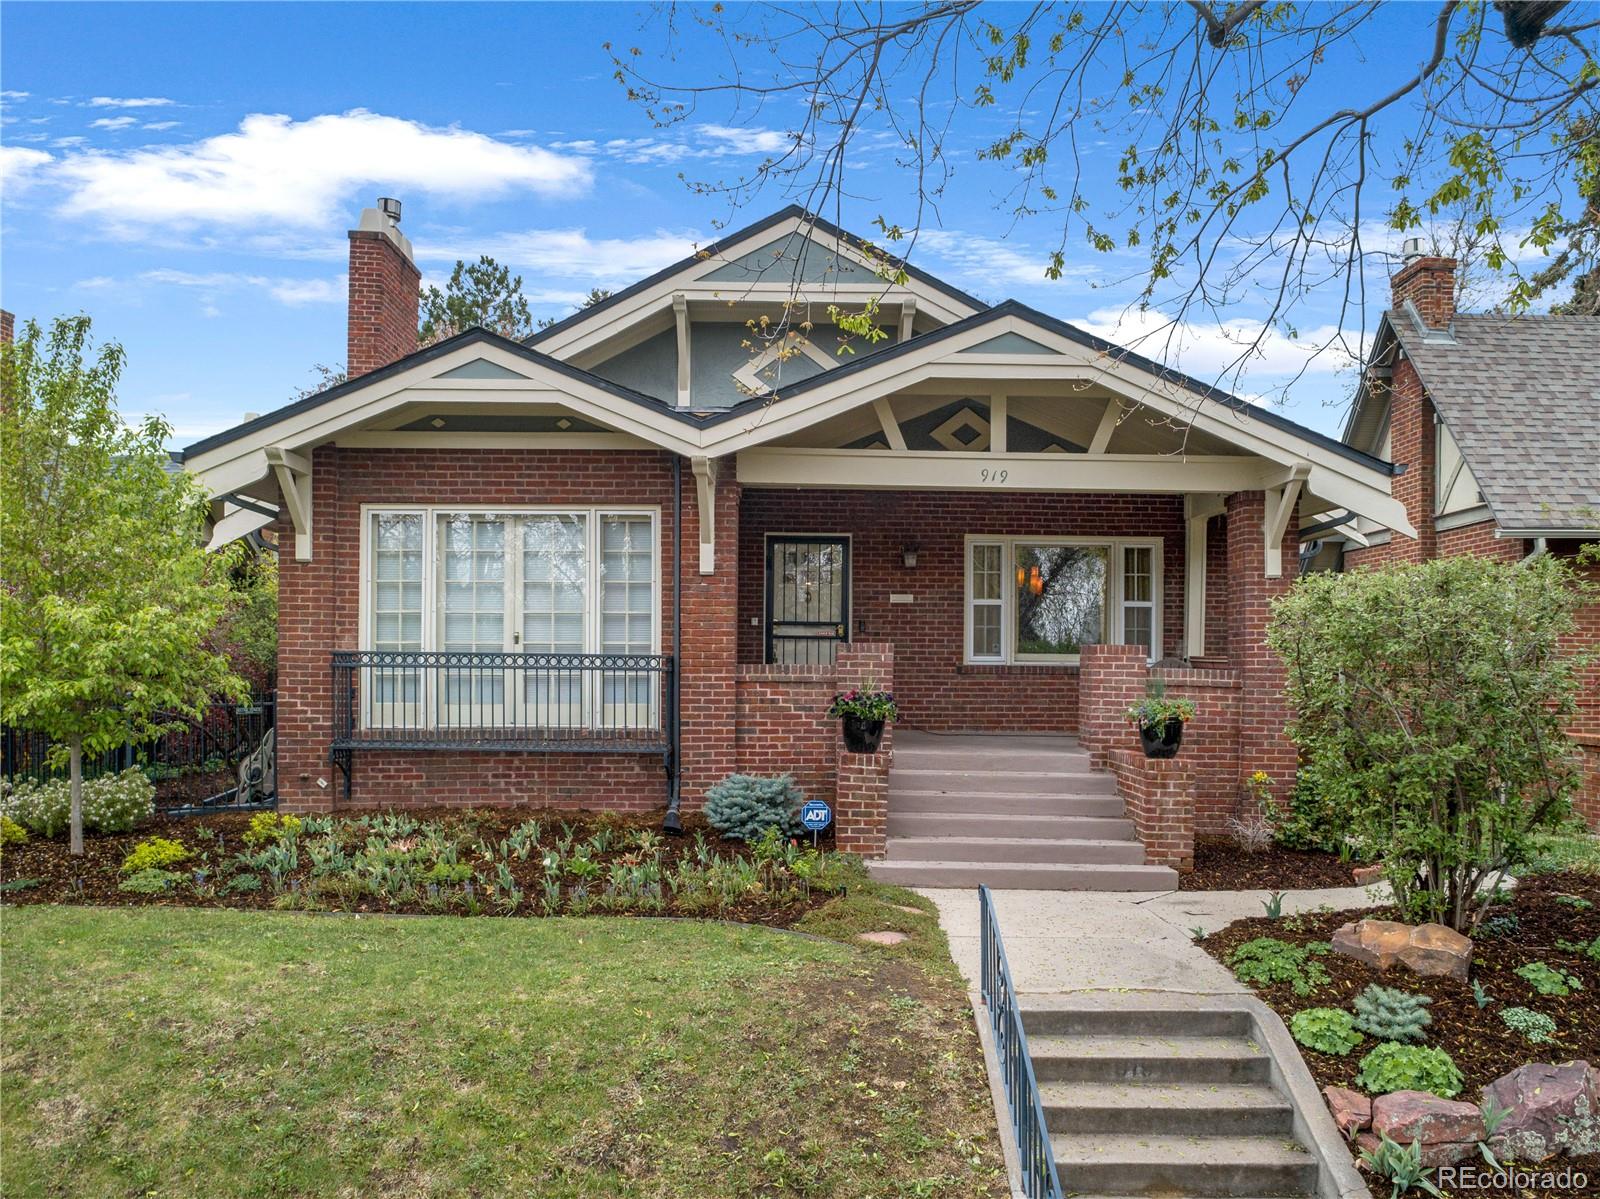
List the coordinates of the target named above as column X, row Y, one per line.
column 816, row 816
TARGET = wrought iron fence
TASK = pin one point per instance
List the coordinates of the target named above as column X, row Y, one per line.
column 1040, row 1179
column 217, row 742
column 502, row 702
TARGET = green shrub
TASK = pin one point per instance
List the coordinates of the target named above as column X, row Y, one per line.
column 1430, row 704
column 11, row 833
column 152, row 881
column 269, row 826
column 1395, row 1067
column 112, row 803
column 241, row 884
column 154, row 854
column 1588, row 949
column 447, row 872
column 1309, row 821
column 1328, row 1030
column 1267, row 960
column 743, row 806
column 1536, row 1028
column 1400, row 1166
column 1391, row 1015
column 1547, row 980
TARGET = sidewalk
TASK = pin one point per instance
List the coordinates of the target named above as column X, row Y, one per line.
column 1065, row 941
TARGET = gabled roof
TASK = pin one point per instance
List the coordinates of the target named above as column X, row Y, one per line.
column 1521, row 396
column 723, row 245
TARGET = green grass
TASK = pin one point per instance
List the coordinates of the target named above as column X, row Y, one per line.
column 168, row 1052
column 1557, row 852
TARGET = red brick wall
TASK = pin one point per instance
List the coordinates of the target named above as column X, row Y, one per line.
column 783, row 727
column 1262, row 710
column 1479, row 541
column 1111, row 679
column 710, row 638
column 1430, row 284
column 1585, row 726
column 935, row 689
column 383, row 303
column 861, row 803
column 1160, row 798
column 318, row 605
column 1210, row 742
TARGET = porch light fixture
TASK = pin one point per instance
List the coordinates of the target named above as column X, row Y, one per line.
column 908, row 555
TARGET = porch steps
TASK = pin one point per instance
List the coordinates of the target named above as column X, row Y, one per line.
column 1011, row 812
column 1163, row 1100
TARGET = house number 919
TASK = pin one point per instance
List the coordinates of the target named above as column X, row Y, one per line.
column 993, row 476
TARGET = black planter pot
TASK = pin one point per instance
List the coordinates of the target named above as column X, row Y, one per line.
column 862, row 736
column 1161, row 741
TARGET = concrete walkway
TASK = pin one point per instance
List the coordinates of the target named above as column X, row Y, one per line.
column 1064, row 941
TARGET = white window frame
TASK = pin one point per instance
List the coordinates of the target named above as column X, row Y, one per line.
column 1116, row 569
column 432, row 571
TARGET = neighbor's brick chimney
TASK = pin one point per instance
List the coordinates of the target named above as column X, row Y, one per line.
column 8, row 327
column 383, row 291
column 1428, row 282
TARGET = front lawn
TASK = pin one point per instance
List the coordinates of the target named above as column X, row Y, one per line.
column 178, row 1052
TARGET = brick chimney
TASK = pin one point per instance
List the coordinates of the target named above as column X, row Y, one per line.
column 383, row 291
column 8, row 327
column 1428, row 282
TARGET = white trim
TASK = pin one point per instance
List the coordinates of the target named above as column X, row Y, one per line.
column 1475, row 515
column 680, row 320
column 1109, row 420
column 749, row 377
column 705, row 494
column 1116, row 569
column 418, row 439
column 998, row 423
column 891, row 427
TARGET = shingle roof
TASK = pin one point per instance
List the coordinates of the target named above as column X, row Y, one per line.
column 1521, row 396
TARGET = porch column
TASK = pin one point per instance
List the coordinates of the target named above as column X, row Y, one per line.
column 1110, row 678
column 1263, row 712
column 709, row 664
column 861, row 794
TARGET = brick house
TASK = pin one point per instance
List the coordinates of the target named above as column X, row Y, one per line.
column 641, row 550
column 1494, row 423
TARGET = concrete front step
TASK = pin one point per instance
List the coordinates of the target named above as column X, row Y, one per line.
column 1147, row 1059
column 922, row 757
column 1076, row 1018
column 1025, row 876
column 999, row 778
column 1183, row 1165
column 1166, row 1109
column 983, row 824
column 1060, row 851
column 1018, row 804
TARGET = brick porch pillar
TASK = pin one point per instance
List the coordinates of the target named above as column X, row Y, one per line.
column 1263, row 712
column 709, row 667
column 1110, row 677
column 861, row 796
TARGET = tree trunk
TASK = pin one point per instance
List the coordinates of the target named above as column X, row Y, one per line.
column 77, row 796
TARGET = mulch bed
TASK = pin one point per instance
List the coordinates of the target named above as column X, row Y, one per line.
column 193, row 788
column 50, row 874
column 1481, row 1045
column 1220, row 865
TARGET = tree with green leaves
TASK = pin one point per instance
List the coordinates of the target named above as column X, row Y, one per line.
column 1211, row 151
column 108, row 599
column 1430, row 703
column 481, row 294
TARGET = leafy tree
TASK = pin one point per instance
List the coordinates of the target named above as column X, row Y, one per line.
column 480, row 294
column 248, row 634
column 107, row 597
column 1258, row 149
column 1429, row 706
column 596, row 294
column 326, row 377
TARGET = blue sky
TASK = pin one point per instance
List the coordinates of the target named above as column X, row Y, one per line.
column 186, row 173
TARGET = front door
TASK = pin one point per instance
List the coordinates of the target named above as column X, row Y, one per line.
column 808, row 598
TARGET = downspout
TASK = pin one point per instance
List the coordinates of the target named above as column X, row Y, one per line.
column 672, row 822
column 1541, row 547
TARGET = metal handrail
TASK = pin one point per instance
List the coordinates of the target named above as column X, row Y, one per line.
column 1040, row 1179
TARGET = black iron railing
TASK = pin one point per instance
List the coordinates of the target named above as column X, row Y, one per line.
column 1038, row 1160
column 502, row 703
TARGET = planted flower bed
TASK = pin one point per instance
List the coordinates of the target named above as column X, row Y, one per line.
column 1532, row 995
column 524, row 863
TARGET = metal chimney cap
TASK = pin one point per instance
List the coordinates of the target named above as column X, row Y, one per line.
column 390, row 207
column 1410, row 249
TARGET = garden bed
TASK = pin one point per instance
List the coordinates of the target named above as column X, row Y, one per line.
column 473, row 862
column 1553, row 914
column 1221, row 865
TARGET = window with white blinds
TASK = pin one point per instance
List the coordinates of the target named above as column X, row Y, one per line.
column 571, row 581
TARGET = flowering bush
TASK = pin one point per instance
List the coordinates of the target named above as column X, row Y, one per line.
column 112, row 803
column 867, row 705
column 156, row 853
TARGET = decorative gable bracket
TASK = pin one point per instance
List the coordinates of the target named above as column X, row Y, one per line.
column 293, row 473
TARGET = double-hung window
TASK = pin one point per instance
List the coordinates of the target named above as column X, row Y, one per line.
column 474, row 581
column 1037, row 599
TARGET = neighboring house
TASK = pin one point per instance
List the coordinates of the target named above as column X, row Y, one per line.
column 1494, row 423
column 642, row 550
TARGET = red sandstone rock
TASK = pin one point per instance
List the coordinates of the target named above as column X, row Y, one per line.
column 1365, row 876
column 1407, row 1116
column 1430, row 949
column 1351, row 1110
column 1552, row 1109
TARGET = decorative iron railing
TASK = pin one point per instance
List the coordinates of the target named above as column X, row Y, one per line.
column 1038, row 1161
column 502, row 703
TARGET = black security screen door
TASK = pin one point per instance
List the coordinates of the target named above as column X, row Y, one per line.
column 808, row 598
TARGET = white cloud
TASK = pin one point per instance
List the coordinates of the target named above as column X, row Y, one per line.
column 160, row 125
column 985, row 260
column 748, row 141
column 572, row 253
column 19, row 167
column 210, row 286
column 275, row 170
column 698, row 141
column 130, row 102
column 10, row 95
column 113, row 122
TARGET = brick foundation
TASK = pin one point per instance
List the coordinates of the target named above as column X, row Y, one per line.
column 1160, row 798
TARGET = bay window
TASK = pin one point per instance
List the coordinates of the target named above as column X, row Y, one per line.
column 1037, row 599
